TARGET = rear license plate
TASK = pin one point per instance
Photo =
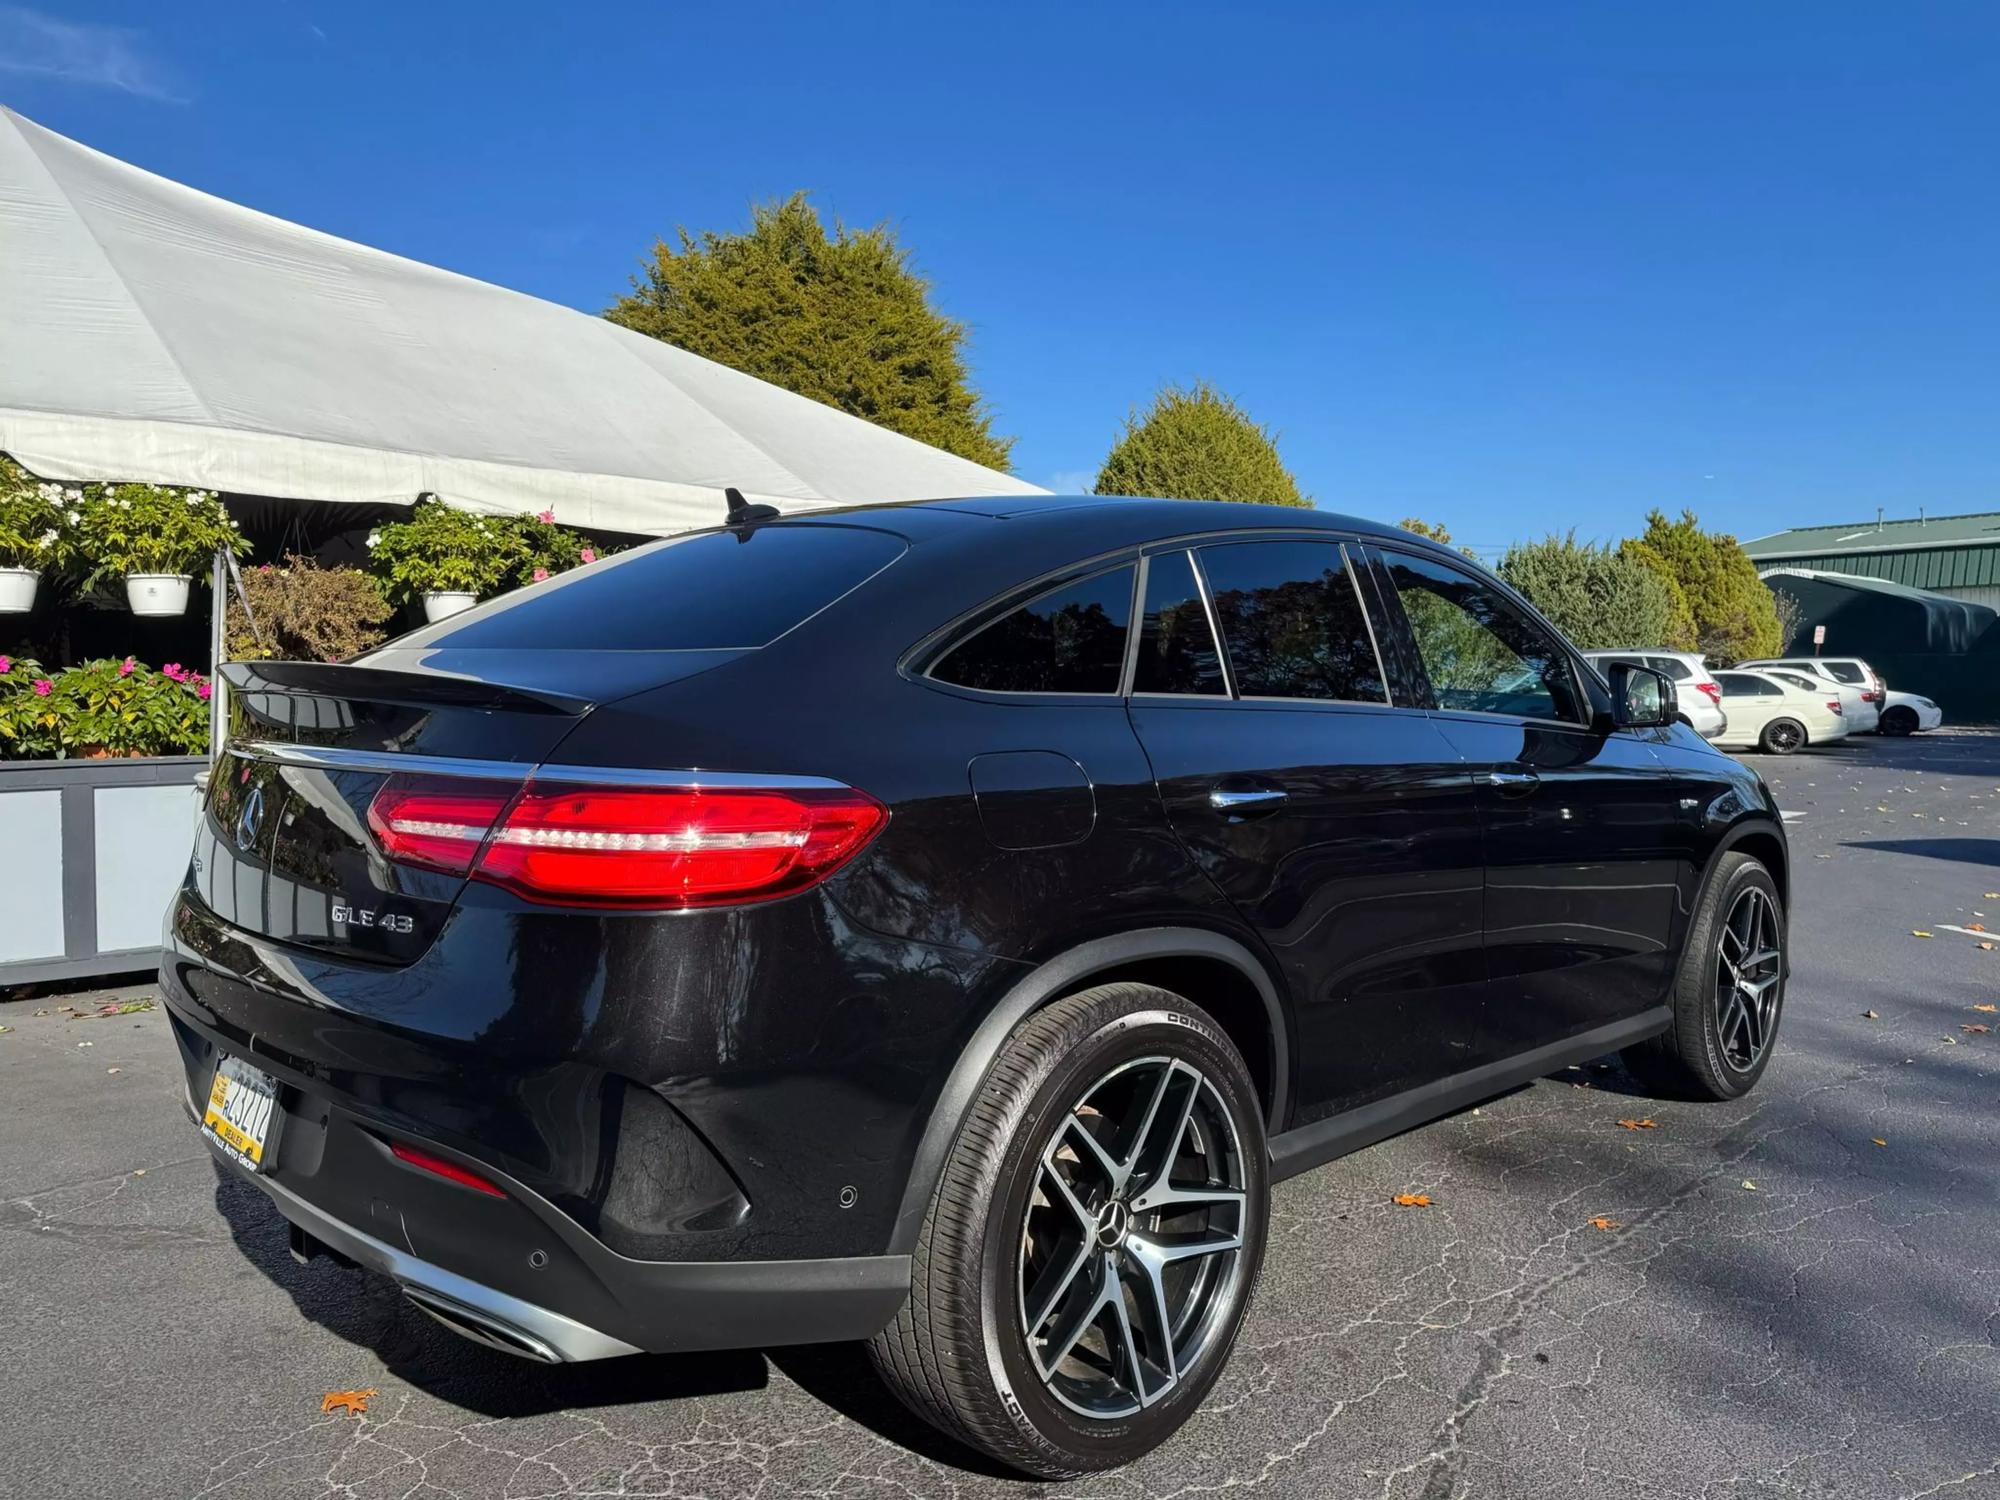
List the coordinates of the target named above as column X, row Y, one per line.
column 242, row 1112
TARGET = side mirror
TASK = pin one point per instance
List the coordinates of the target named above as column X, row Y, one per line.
column 1640, row 697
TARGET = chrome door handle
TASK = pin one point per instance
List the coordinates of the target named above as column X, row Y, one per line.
column 1227, row 801
column 1513, row 783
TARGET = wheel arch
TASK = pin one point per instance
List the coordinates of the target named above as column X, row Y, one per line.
column 1764, row 841
column 1236, row 988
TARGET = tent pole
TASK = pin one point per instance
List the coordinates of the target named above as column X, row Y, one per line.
column 218, row 614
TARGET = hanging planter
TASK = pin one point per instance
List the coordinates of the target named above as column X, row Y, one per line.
column 446, row 603
column 153, row 537
column 37, row 533
column 154, row 595
column 17, row 590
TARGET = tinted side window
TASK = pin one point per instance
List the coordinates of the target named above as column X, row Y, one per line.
column 1847, row 672
column 1070, row 640
column 1480, row 653
column 1176, row 647
column 1292, row 621
column 1744, row 685
column 1673, row 666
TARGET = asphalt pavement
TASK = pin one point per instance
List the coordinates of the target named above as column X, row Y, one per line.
column 1794, row 1295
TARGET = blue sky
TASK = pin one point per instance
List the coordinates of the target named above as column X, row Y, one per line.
column 1517, row 267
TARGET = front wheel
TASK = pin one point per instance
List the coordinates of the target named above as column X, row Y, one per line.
column 1783, row 736
column 1093, row 1240
column 1729, row 993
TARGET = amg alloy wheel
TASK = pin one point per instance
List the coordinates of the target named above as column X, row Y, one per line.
column 1783, row 736
column 1131, row 1249
column 1093, row 1240
column 1729, row 992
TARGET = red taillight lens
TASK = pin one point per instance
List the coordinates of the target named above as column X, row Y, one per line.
column 1868, row 697
column 1714, row 691
column 438, row 1166
column 626, row 846
column 437, row 822
column 1834, row 704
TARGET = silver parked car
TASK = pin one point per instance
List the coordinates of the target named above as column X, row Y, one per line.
column 1695, row 691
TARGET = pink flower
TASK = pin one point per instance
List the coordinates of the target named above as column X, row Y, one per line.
column 541, row 574
column 548, row 517
column 125, row 668
column 6, row 665
column 43, row 687
column 176, row 671
column 204, row 692
column 589, row 555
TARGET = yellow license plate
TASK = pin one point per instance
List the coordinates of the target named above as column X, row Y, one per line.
column 242, row 1109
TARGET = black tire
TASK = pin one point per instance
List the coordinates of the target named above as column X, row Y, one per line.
column 958, row 1355
column 1704, row 1054
column 1782, row 737
column 1898, row 721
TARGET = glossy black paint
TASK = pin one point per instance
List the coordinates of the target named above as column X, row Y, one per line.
column 771, row 1083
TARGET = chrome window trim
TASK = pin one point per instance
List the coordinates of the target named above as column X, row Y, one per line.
column 332, row 758
column 1347, row 566
column 1361, row 603
column 1207, row 592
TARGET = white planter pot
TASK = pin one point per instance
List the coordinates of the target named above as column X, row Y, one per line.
column 17, row 590
column 444, row 606
column 157, row 593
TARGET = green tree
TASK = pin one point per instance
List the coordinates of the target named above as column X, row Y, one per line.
column 1595, row 596
column 1730, row 614
column 1435, row 530
column 841, row 318
column 1197, row 444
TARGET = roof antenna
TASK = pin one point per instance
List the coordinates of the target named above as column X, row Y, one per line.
column 743, row 513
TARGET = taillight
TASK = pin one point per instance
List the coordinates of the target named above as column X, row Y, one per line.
column 649, row 847
column 1868, row 697
column 1714, row 691
column 1834, row 704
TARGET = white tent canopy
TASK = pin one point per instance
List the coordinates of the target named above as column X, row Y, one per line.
column 152, row 332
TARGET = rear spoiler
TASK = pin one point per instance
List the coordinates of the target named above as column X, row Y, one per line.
column 408, row 689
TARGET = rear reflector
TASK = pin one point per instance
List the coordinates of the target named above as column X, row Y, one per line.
column 641, row 847
column 438, row 1166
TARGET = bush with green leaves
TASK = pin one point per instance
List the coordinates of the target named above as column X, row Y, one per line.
column 841, row 318
column 306, row 613
column 1730, row 613
column 152, row 528
column 442, row 550
column 1197, row 444
column 101, row 708
column 38, row 519
column 1594, row 595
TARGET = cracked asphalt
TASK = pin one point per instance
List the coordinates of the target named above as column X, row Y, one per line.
column 1833, row 1330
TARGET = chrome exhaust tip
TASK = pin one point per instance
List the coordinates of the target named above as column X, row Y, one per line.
column 482, row 1328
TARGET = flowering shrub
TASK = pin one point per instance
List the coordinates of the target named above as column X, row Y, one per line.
column 152, row 528
column 442, row 550
column 37, row 519
column 101, row 708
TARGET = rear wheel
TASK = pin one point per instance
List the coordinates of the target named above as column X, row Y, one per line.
column 1729, row 994
column 1783, row 736
column 1899, row 720
column 1093, row 1240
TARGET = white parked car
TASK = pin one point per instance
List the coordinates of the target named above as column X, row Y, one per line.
column 1860, row 687
column 1906, row 713
column 1695, row 692
column 1776, row 715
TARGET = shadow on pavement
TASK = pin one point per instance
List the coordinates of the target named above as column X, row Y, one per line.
column 1964, row 851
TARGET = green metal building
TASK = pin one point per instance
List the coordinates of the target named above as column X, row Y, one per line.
column 1957, row 556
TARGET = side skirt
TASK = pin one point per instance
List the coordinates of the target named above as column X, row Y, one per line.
column 1309, row 1146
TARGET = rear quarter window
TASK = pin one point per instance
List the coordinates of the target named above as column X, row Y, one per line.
column 1069, row 640
column 714, row 591
column 1846, row 672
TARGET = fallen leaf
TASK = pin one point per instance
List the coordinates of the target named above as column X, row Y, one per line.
column 1647, row 1124
column 1975, row 926
column 1976, row 1028
column 1989, row 1009
column 1412, row 1200
column 354, row 1401
column 1869, row 1015
column 114, row 1070
column 138, row 1171
column 1986, row 947
column 1918, row 932
column 1878, row 1140
column 1749, row 1185
column 1602, row 1223
column 5, row 1029
column 1992, row 896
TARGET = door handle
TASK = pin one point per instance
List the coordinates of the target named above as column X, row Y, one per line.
column 1513, row 783
column 1222, row 799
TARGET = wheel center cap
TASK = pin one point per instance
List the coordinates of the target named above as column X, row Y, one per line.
column 1114, row 1220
